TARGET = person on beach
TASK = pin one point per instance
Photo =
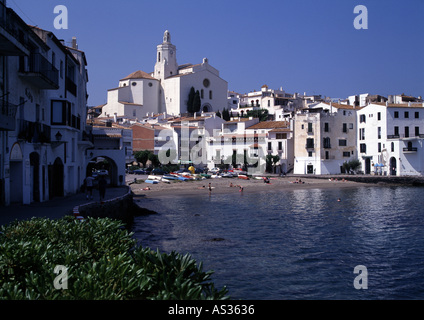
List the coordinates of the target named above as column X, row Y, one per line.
column 89, row 186
column 210, row 188
column 102, row 187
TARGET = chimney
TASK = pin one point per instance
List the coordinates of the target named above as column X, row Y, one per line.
column 74, row 43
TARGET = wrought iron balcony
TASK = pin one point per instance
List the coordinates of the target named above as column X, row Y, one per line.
column 410, row 149
column 40, row 72
column 12, row 42
column 7, row 116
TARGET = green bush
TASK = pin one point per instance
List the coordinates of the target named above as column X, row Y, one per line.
column 103, row 260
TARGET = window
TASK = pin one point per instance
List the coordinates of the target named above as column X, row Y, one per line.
column 269, row 103
column 310, row 154
column 345, row 127
column 342, row 143
column 61, row 69
column 350, row 126
column 396, row 131
column 362, row 134
column 406, row 132
column 201, row 94
column 417, row 131
column 58, row 114
column 363, row 148
column 310, row 127
column 362, row 118
column 210, row 94
column 327, row 155
column 393, row 147
column 280, row 145
column 158, row 56
column 406, row 114
column 206, row 83
column 396, row 114
column 310, row 143
column 379, row 147
column 379, row 132
column 281, row 136
column 417, row 115
column 134, row 113
column 269, row 146
column 346, row 154
column 378, row 115
column 326, row 129
column 327, row 144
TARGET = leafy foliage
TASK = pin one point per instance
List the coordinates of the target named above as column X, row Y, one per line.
column 103, row 261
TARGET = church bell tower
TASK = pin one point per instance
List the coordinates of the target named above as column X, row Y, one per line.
column 166, row 59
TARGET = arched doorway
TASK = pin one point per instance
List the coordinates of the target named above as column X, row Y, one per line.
column 103, row 163
column 393, row 167
column 207, row 107
column 34, row 161
column 56, row 178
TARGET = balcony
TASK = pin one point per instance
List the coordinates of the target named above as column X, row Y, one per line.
column 40, row 72
column 410, row 149
column 11, row 40
column 7, row 116
column 71, row 86
column 34, row 132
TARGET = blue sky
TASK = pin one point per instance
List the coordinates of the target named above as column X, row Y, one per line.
column 303, row 46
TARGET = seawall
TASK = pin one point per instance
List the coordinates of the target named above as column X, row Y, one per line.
column 121, row 208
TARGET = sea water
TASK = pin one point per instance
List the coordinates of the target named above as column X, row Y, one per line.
column 298, row 244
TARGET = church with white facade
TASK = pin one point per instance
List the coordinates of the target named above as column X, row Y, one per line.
column 167, row 88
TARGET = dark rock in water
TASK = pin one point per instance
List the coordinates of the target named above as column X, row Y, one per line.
column 197, row 215
column 215, row 239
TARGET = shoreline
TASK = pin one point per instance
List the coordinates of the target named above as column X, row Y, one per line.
column 222, row 186
column 251, row 186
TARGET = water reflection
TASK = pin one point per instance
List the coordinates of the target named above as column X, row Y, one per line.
column 300, row 244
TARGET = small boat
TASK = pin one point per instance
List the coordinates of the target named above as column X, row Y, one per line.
column 170, row 177
column 165, row 180
column 242, row 176
column 151, row 177
column 183, row 179
column 152, row 181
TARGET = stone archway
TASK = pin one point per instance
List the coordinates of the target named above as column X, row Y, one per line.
column 104, row 163
column 207, row 107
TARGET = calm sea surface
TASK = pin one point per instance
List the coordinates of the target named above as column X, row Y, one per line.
column 300, row 244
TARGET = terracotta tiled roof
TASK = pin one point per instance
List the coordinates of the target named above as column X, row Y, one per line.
column 139, row 75
column 270, row 125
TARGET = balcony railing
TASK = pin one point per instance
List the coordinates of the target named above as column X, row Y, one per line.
column 34, row 132
column 71, row 86
column 40, row 72
column 410, row 149
column 400, row 136
column 12, row 42
column 7, row 116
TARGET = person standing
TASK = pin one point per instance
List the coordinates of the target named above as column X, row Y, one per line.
column 102, row 187
column 89, row 186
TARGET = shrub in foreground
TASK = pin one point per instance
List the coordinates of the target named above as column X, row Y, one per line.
column 102, row 260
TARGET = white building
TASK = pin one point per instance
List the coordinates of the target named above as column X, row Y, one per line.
column 43, row 148
column 325, row 138
column 390, row 139
column 167, row 88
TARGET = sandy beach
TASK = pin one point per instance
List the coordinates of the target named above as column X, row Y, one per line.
column 232, row 185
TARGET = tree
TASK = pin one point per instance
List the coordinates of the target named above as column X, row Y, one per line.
column 142, row 156
column 190, row 100
column 218, row 114
column 197, row 103
column 226, row 115
column 352, row 165
column 154, row 159
column 271, row 161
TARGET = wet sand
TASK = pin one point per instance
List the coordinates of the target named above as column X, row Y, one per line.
column 223, row 186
